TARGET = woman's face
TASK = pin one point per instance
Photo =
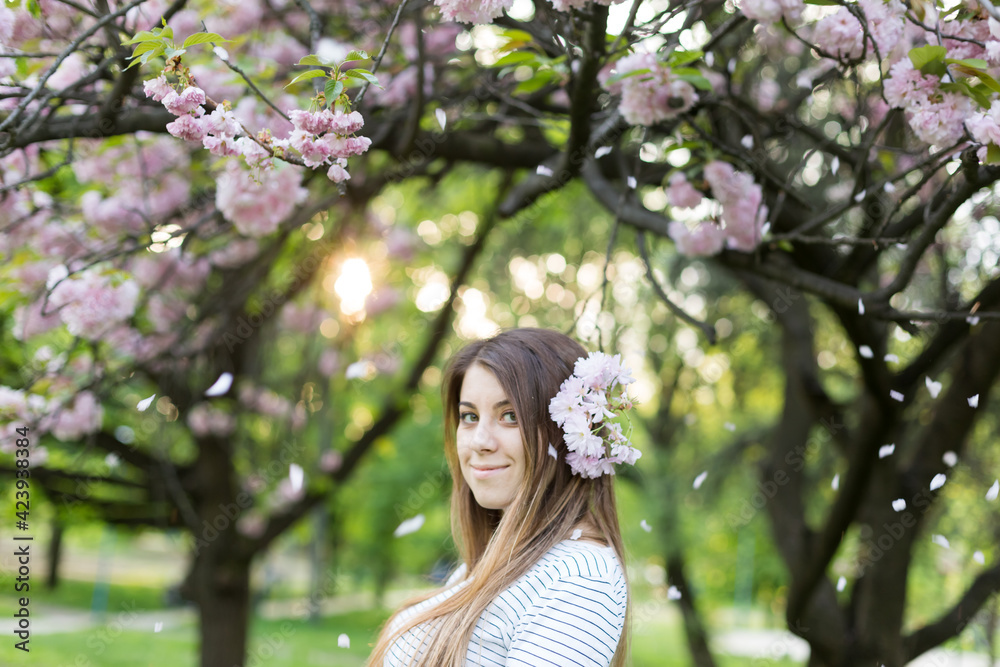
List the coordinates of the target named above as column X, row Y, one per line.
column 490, row 448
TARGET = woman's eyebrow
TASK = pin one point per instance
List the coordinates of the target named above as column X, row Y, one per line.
column 497, row 405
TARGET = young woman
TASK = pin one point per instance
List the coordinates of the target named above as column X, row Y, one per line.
column 542, row 581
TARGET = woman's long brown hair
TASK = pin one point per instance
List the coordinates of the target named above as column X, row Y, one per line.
column 530, row 365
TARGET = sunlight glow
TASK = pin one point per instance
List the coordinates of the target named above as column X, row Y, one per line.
column 353, row 286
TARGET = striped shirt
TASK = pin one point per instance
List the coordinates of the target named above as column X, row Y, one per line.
column 567, row 610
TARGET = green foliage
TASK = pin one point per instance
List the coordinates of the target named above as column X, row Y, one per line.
column 159, row 42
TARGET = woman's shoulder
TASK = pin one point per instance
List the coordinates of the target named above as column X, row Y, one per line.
column 581, row 558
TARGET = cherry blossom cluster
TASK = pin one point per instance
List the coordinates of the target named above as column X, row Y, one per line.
column 650, row 95
column 935, row 117
column 585, row 407
column 743, row 212
column 469, row 11
column 321, row 138
column 92, row 302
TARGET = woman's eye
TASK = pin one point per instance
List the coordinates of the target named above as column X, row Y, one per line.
column 508, row 418
column 467, row 417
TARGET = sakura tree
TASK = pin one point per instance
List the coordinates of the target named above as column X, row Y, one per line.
column 184, row 183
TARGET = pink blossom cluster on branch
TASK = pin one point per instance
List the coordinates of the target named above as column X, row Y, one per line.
column 470, row 11
column 743, row 212
column 650, row 91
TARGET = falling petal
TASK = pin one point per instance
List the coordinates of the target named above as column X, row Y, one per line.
column 409, row 526
column 112, row 460
column 834, row 165
column 835, row 484
column 895, row 395
column 157, row 626
column 899, row 504
column 576, row 534
column 221, row 385
column 886, row 450
column 442, row 119
column 979, row 557
column 933, row 387
column 973, row 320
column 360, row 369
column 145, row 403
column 859, row 197
column 602, row 151
column 730, row 426
column 889, row 187
column 938, row 481
column 861, row 307
column 941, row 540
column 552, row 452
column 974, row 401
column 673, row 593
column 747, row 141
column 222, row 53
column 632, row 184
column 950, row 459
column 841, row 584
column 542, row 170
column 645, row 526
column 891, row 357
column 991, row 495
column 296, row 476
column 343, row 641
column 700, row 479
column 866, row 352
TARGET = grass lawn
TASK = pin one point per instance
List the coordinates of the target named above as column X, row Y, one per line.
column 276, row 643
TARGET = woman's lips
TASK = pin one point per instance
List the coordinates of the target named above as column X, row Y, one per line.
column 483, row 473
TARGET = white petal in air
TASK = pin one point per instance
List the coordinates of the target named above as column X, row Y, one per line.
column 343, row 641
column 841, row 583
column 979, row 557
column 602, row 151
column 950, row 459
column 834, row 165
column 866, row 352
column 974, row 401
column 158, row 626
column 112, row 460
column 144, row 403
column 938, row 481
column 886, row 450
column 442, row 119
column 730, row 426
column 673, row 593
column 861, row 304
column 895, row 395
column 221, row 385
column 700, row 479
column 296, row 475
column 891, row 357
column 860, row 197
column 933, row 387
column 542, row 170
column 835, row 484
column 941, row 540
column 899, row 504
column 747, row 141
column 222, row 53
column 632, row 184
column 576, row 534
column 991, row 495
column 552, row 452
column 973, row 320
column 409, row 526
column 645, row 526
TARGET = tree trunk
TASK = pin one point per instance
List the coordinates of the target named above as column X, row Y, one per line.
column 55, row 554
column 221, row 589
column 697, row 638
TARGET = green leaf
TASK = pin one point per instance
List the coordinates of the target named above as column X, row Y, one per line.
column 145, row 57
column 203, row 38
column 515, row 58
column 171, row 52
column 311, row 74
column 992, row 154
column 312, row 60
column 541, row 79
column 974, row 63
column 619, row 77
column 681, row 58
column 144, row 36
column 696, row 80
column 362, row 74
column 924, row 55
column 333, row 89
column 515, row 35
column 357, row 55
column 980, row 93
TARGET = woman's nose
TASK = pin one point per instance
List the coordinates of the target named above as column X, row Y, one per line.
column 482, row 437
